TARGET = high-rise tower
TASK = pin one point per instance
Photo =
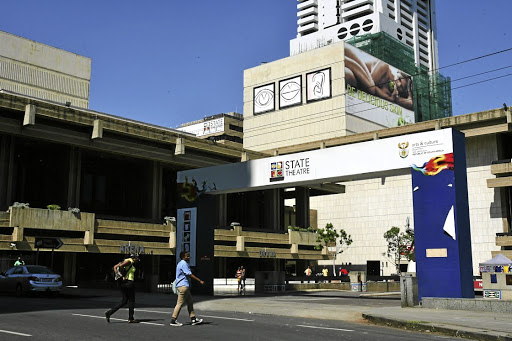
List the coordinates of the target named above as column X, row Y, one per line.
column 412, row 22
column 399, row 32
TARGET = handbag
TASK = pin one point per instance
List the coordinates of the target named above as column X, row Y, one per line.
column 174, row 289
column 120, row 274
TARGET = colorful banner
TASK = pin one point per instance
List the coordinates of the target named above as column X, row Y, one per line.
column 329, row 164
column 186, row 233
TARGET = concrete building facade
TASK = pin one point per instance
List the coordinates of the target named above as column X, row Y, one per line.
column 38, row 70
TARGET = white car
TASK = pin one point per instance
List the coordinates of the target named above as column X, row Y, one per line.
column 24, row 279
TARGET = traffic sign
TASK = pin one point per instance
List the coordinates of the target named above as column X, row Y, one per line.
column 48, row 243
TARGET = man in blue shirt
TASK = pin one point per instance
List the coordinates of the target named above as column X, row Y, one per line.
column 183, row 276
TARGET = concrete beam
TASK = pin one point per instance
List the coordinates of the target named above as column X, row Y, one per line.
column 97, row 130
column 180, row 146
column 30, row 115
column 294, row 249
column 89, row 238
column 331, row 188
column 505, row 181
column 245, row 157
column 240, row 243
column 17, row 234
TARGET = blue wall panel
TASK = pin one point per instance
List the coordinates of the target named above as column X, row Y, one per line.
column 439, row 186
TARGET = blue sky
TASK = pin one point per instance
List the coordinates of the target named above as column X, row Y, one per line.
column 170, row 62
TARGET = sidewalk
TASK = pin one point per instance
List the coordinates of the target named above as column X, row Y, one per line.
column 468, row 324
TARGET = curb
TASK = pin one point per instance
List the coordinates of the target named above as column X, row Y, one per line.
column 454, row 331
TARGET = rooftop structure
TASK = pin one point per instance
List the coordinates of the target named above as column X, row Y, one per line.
column 412, row 22
column 223, row 128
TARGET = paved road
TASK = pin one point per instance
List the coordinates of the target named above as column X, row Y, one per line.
column 74, row 318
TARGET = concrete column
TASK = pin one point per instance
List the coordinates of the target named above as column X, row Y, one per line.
column 222, row 209
column 10, row 170
column 151, row 281
column 74, row 177
column 302, row 206
column 4, row 171
column 156, row 200
column 273, row 207
column 69, row 274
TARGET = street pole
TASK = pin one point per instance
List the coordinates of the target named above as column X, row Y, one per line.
column 334, row 263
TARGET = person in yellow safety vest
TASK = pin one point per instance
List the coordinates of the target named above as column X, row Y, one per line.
column 127, row 288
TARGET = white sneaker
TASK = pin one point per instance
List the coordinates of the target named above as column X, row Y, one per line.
column 196, row 321
column 175, row 323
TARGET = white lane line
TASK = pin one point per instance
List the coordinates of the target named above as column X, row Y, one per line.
column 209, row 316
column 228, row 318
column 343, row 330
column 152, row 323
column 154, row 311
column 303, row 299
column 112, row 318
column 9, row 332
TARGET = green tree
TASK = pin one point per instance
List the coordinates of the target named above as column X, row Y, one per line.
column 336, row 240
column 400, row 245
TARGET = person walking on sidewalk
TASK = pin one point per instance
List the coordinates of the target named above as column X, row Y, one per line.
column 242, row 269
column 127, row 288
column 183, row 276
column 239, row 280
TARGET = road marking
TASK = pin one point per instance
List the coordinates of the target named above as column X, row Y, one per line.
column 9, row 332
column 342, row 330
column 303, row 299
column 154, row 311
column 227, row 318
column 213, row 317
column 112, row 318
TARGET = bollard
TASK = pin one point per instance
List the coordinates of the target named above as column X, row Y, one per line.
column 409, row 289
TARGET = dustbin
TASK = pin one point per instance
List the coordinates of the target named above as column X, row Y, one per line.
column 409, row 289
column 357, row 280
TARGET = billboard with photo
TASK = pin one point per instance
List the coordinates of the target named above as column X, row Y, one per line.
column 377, row 91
